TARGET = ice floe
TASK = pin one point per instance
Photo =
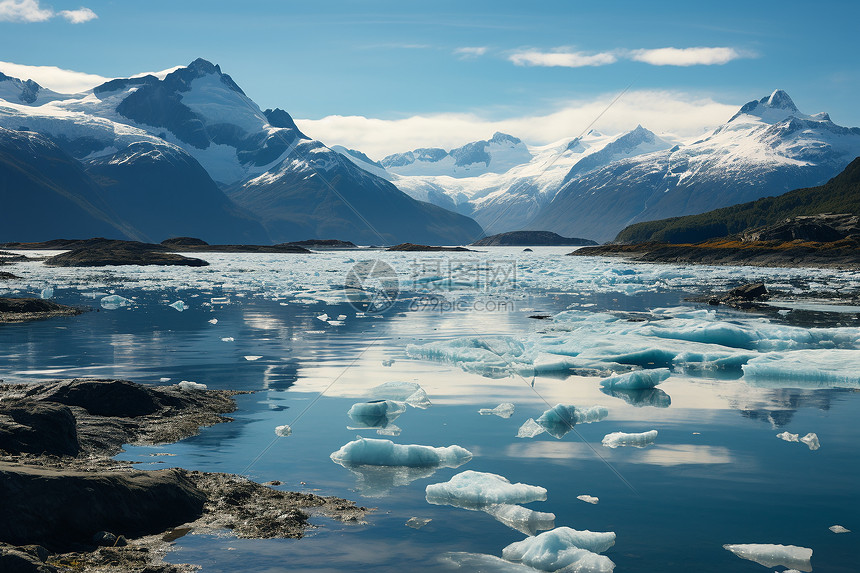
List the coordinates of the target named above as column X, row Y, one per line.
column 770, row 555
column 213, row 321
column 417, row 522
column 377, row 414
column 283, row 431
column 503, row 410
column 189, row 386
column 560, row 419
column 252, row 358
column 810, row 439
column 408, row 392
column 831, row 368
column 530, row 429
column 838, row 529
column 114, row 301
column 47, row 292
column 481, row 563
column 588, row 499
column 476, row 490
column 636, row 380
column 654, row 397
column 178, row 305
column 619, row 439
column 564, row 549
column 374, row 452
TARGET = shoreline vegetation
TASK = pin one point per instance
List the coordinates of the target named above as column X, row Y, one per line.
column 57, row 440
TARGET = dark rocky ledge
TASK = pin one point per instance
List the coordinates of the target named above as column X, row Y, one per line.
column 428, row 248
column 25, row 309
column 69, row 506
column 191, row 245
column 531, row 239
column 108, row 252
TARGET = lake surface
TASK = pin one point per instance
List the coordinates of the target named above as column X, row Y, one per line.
column 460, row 327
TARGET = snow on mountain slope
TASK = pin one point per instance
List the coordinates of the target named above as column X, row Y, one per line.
column 767, row 148
column 26, row 91
column 496, row 155
column 507, row 201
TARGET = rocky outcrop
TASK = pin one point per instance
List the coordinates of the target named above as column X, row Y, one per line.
column 824, row 228
column 24, row 309
column 409, row 247
column 531, row 239
column 107, row 252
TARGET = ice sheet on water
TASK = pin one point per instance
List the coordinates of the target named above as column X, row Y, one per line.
column 376, row 414
column 770, row 555
column 114, row 301
column 283, row 431
column 189, row 386
column 178, row 305
column 565, row 549
column 805, row 369
column 619, row 439
column 477, row 490
column 410, row 392
column 588, row 499
column 503, row 410
column 481, row 563
column 636, row 380
column 654, row 397
column 374, row 452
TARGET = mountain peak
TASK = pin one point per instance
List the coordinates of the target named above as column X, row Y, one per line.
column 776, row 106
column 779, row 99
column 500, row 137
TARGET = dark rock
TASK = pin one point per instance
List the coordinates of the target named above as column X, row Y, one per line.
column 104, row 539
column 183, row 242
column 748, row 292
column 38, row 428
column 429, row 248
column 531, row 238
column 322, row 244
column 119, row 398
column 61, row 509
column 7, row 276
column 24, row 309
column 104, row 252
column 23, row 560
column 527, row 250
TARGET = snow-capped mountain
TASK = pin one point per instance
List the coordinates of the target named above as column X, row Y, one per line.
column 194, row 125
column 496, row 155
column 26, row 92
column 767, row 148
column 509, row 199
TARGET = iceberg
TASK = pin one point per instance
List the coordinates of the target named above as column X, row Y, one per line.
column 588, row 499
column 374, row 452
column 178, row 305
column 47, row 292
column 530, row 429
column 417, row 522
column 283, row 431
column 619, row 439
column 838, row 529
column 770, row 555
column 654, row 397
column 561, row 418
column 228, row 339
column 636, row 380
column 115, row 301
column 565, row 549
column 481, row 563
column 408, row 392
column 522, row 519
column 811, row 440
column 188, row 386
column 788, row 437
column 376, row 414
column 503, row 410
column 252, row 358
column 213, row 321
column 477, row 490
column 323, row 317
column 831, row 368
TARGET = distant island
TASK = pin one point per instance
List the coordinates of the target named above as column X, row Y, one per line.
column 531, row 239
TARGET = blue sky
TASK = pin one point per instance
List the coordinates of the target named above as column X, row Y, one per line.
column 393, row 61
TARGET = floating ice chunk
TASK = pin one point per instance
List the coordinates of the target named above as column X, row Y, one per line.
column 530, row 429
column 164, row 380
column 646, row 397
column 561, row 418
column 220, row 300
column 830, row 368
column 283, row 431
column 771, row 555
column 521, row 518
column 341, row 317
column 811, row 440
column 178, row 305
column 417, row 522
column 335, row 322
column 408, row 392
column 481, row 563
column 373, row 452
column 323, row 317
column 389, row 430
column 476, row 490
column 115, row 301
column 590, row 414
column 838, row 529
column 252, row 358
column 588, row 499
column 228, row 339
column 788, row 437
column 637, row 379
column 376, row 414
column 618, row 439
column 213, row 321
column 565, row 549
column 188, row 386
column 387, row 362
column 503, row 410
column 47, row 292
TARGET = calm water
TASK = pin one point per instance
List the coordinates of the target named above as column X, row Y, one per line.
column 716, row 474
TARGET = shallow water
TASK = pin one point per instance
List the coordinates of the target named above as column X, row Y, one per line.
column 716, row 474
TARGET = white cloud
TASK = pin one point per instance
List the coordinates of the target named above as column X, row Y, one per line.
column 31, row 11
column 686, row 56
column 51, row 77
column 23, row 11
column 471, row 51
column 677, row 113
column 79, row 16
column 562, row 58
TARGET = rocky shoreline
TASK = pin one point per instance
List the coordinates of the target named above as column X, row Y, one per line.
column 68, row 506
column 26, row 309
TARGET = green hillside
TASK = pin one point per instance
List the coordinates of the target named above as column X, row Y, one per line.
column 839, row 195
